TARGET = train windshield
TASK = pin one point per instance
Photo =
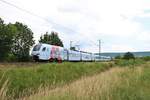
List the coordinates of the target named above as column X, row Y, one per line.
column 36, row 47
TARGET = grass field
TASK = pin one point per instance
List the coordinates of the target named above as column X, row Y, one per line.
column 118, row 80
column 118, row 83
column 21, row 79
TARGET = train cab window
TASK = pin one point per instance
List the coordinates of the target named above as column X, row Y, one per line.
column 36, row 47
column 44, row 49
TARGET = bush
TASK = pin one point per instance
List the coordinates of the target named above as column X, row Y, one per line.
column 10, row 58
column 128, row 56
column 118, row 57
column 131, row 62
column 147, row 58
column 13, row 58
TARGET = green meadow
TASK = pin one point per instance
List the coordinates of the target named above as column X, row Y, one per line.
column 115, row 80
column 26, row 79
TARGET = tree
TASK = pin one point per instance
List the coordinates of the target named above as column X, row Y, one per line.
column 52, row 39
column 23, row 41
column 15, row 41
column 128, row 56
column 45, row 38
column 118, row 57
column 72, row 48
column 6, row 39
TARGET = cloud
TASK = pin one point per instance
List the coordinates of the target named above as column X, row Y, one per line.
column 122, row 48
column 86, row 21
column 144, row 37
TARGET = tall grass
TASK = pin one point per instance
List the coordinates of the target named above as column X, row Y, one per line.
column 27, row 79
column 24, row 81
column 131, row 62
column 119, row 83
column 3, row 88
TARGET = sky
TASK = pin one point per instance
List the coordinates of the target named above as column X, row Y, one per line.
column 121, row 25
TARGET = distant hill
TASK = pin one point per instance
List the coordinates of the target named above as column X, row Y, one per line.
column 137, row 54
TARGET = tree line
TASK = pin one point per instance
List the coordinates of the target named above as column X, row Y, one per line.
column 17, row 39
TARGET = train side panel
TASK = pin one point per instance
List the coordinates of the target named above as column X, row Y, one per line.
column 56, row 53
column 51, row 53
column 86, row 56
column 74, row 55
column 47, row 52
column 102, row 58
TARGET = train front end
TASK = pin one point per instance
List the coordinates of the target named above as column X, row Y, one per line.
column 36, row 52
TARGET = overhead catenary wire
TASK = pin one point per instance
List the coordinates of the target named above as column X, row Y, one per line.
column 24, row 10
column 46, row 20
column 33, row 14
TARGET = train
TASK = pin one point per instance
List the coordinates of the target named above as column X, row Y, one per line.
column 47, row 52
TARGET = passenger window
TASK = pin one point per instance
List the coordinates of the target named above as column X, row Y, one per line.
column 44, row 49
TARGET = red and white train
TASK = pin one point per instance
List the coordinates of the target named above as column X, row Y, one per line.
column 43, row 52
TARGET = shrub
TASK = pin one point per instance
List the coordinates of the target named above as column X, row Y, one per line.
column 10, row 58
column 131, row 62
column 128, row 56
column 118, row 57
column 147, row 58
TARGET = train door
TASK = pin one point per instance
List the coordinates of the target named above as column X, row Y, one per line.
column 65, row 54
column 47, row 53
column 43, row 53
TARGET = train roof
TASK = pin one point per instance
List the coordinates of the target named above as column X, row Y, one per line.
column 85, row 52
column 44, row 44
column 81, row 51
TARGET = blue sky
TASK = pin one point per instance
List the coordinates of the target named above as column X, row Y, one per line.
column 122, row 25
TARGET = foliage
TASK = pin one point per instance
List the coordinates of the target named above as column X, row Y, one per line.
column 6, row 39
column 11, row 58
column 23, row 41
column 147, row 58
column 128, row 56
column 52, row 39
column 72, row 48
column 118, row 57
column 15, row 41
column 131, row 62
